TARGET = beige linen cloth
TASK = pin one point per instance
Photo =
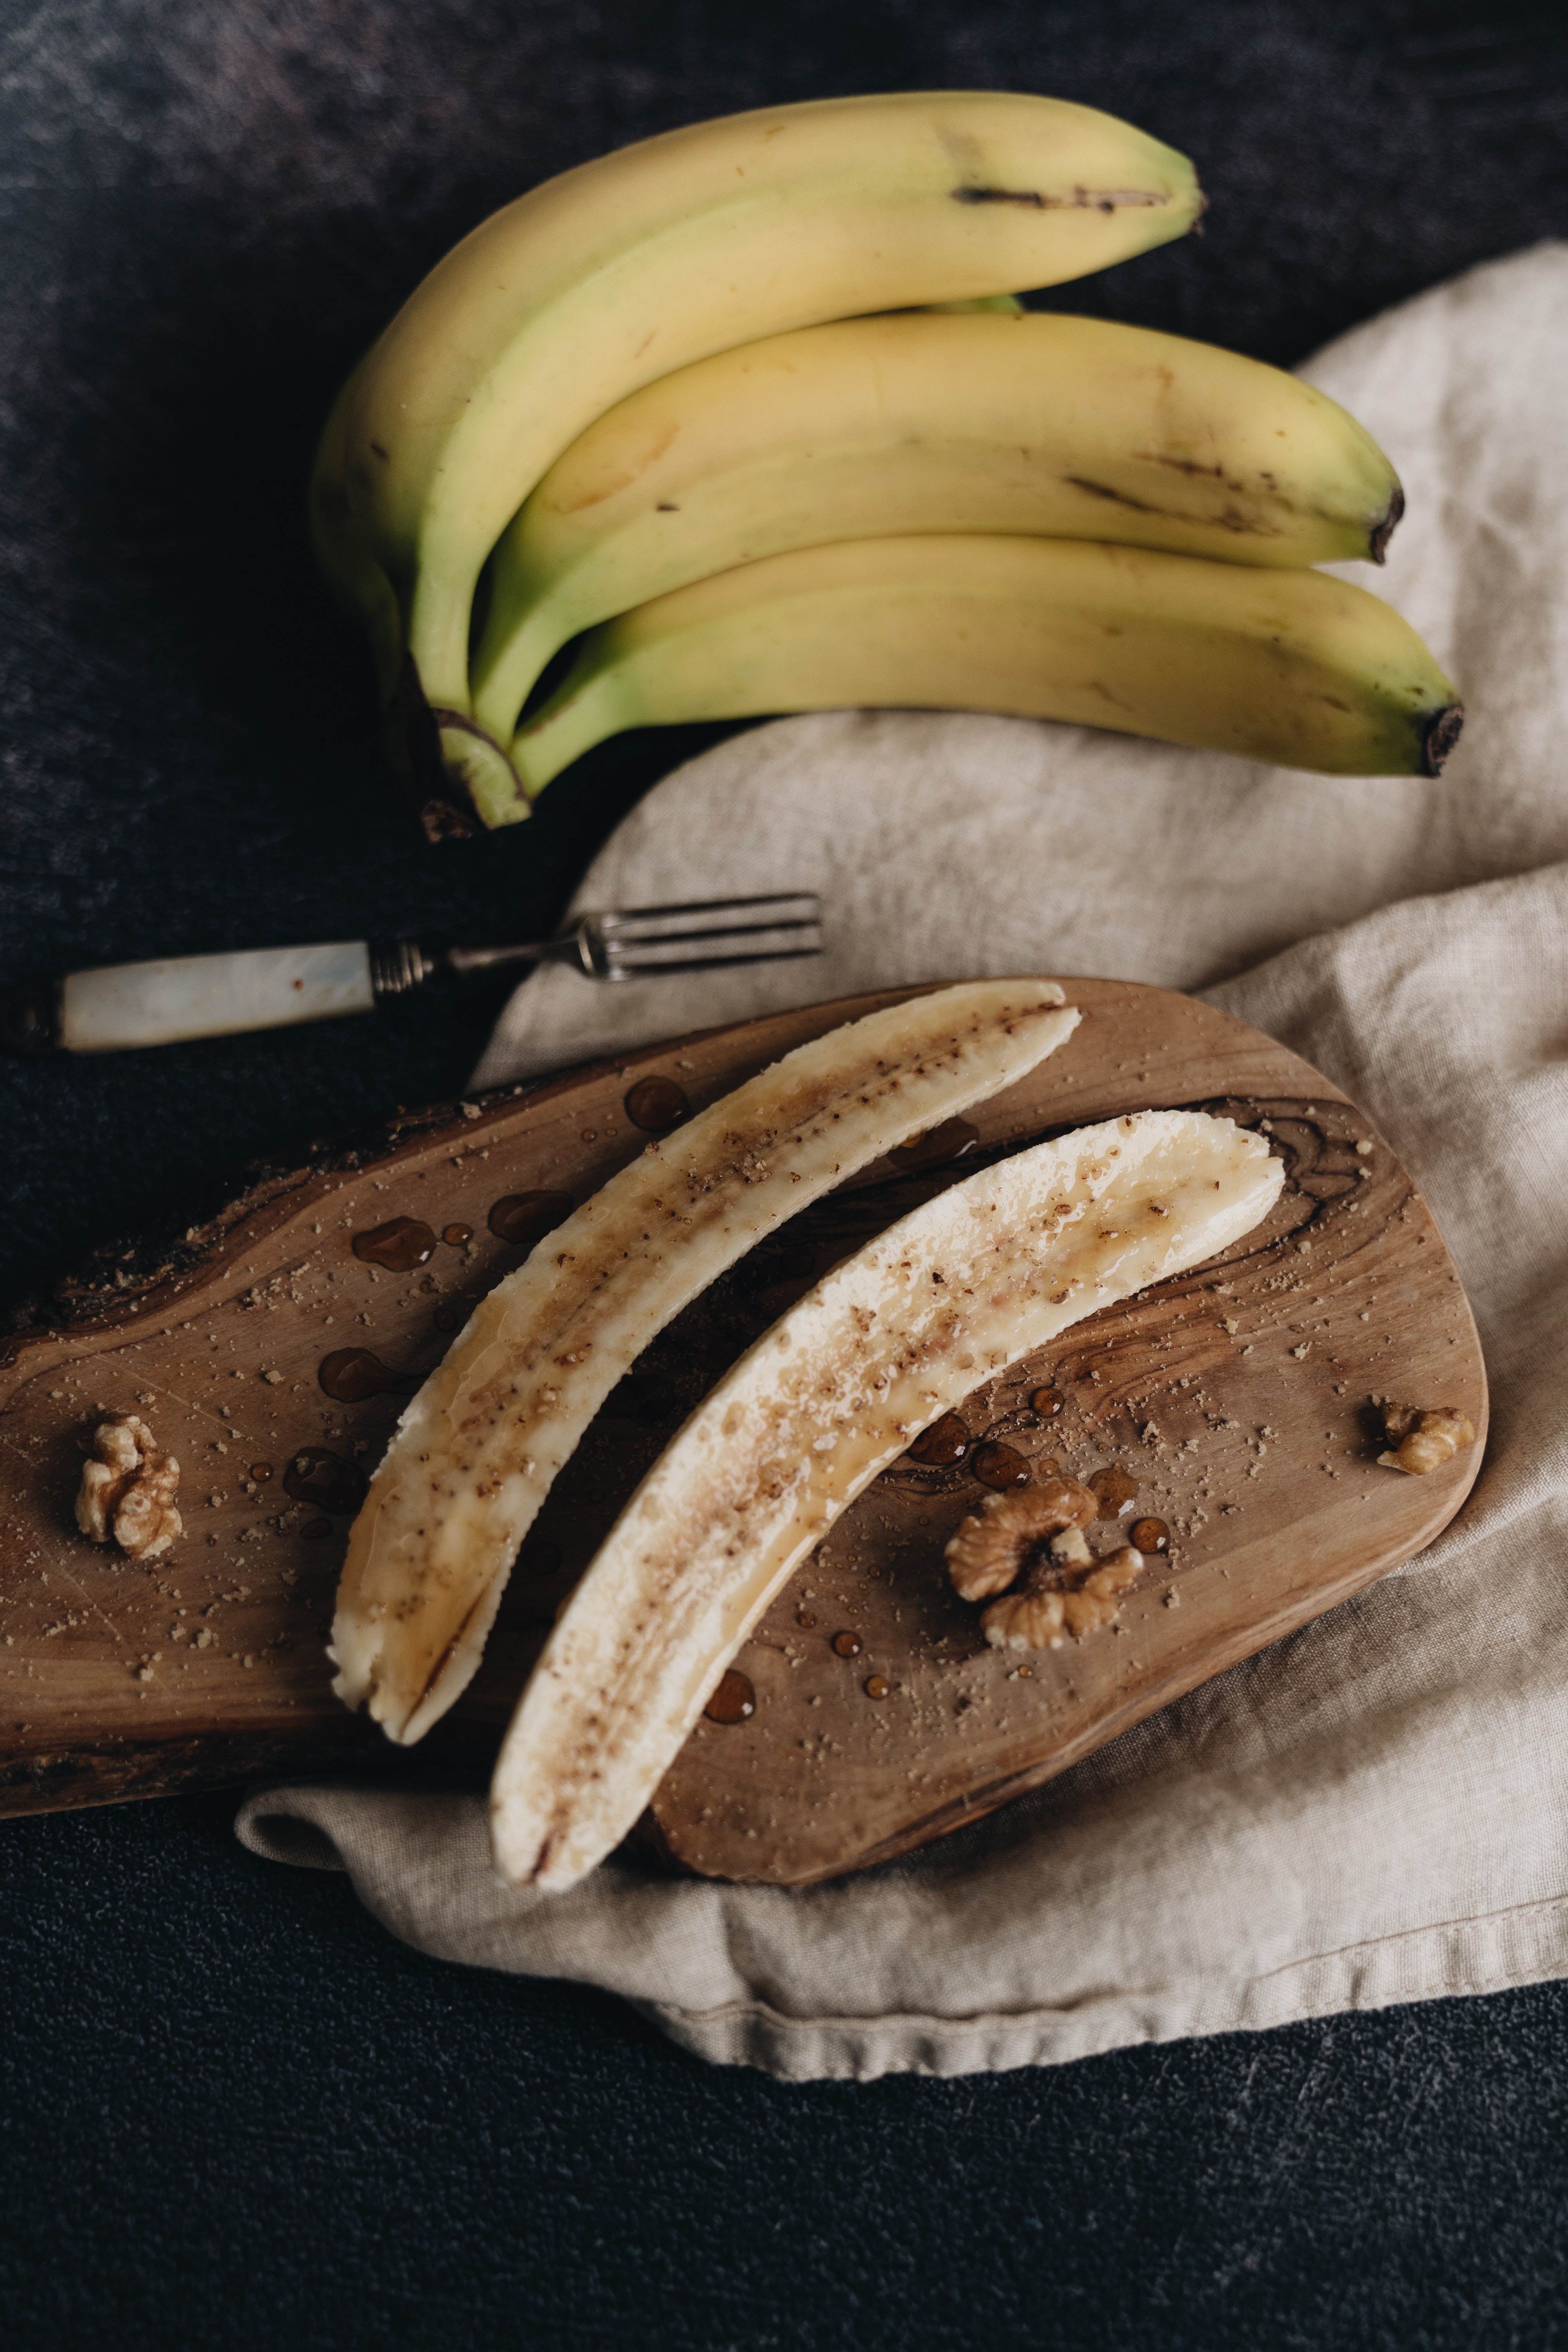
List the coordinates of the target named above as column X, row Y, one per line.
column 1374, row 1811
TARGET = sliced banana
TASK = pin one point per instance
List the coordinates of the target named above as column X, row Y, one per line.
column 474, row 1454
column 885, row 1344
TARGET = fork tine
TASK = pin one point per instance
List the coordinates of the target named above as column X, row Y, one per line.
column 660, row 971
column 649, row 944
column 618, row 942
column 739, row 944
column 705, row 918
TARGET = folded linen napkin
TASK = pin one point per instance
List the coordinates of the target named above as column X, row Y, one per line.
column 1372, row 1811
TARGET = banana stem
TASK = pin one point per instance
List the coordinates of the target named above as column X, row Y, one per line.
column 503, row 681
column 439, row 636
column 581, row 713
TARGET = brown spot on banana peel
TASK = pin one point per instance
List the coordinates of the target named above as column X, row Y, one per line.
column 1239, row 525
column 1190, row 466
column 611, row 484
column 1100, row 200
column 1113, row 497
column 1378, row 535
column 1441, row 733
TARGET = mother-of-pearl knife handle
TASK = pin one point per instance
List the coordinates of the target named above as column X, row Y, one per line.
column 176, row 997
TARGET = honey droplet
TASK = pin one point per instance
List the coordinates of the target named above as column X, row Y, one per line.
column 946, row 1441
column 459, row 1235
column 876, row 1687
column 524, row 1218
column 333, row 1484
column 1149, row 1535
column 262, row 1472
column 352, row 1374
column 1113, row 1488
column 445, row 1319
column 848, row 1645
column 936, row 1147
column 999, row 1467
column 734, row 1699
column 1047, row 1402
column 807, row 1617
column 400, row 1244
column 656, row 1105
column 314, row 1530
column 539, row 1557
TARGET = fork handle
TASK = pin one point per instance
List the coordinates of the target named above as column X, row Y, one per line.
column 118, row 1005
column 176, row 997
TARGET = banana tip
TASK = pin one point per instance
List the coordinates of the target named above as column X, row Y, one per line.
column 1382, row 532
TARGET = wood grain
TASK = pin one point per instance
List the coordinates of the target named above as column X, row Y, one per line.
column 1236, row 1396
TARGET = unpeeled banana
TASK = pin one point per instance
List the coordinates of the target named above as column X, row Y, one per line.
column 1063, row 427
column 1294, row 668
column 629, row 267
column 648, row 407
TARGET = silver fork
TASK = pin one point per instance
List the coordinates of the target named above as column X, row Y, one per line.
column 628, row 942
column 119, row 1005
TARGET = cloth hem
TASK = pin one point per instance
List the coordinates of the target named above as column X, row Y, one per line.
column 1418, row 1964
column 1469, row 1953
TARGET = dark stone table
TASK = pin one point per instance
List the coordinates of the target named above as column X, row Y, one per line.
column 234, row 2112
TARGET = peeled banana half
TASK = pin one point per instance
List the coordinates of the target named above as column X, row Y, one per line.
column 629, row 267
column 1051, row 427
column 886, row 1343
column 476, row 1452
column 1292, row 668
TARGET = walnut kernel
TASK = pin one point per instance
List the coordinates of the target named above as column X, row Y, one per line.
column 1425, row 1440
column 1011, row 1531
column 127, row 1491
column 1035, row 1619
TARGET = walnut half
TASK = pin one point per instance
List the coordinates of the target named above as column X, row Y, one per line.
column 1011, row 1532
column 1036, row 1618
column 127, row 1491
column 1034, row 1542
column 1424, row 1440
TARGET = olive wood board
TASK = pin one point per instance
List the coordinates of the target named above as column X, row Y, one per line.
column 1237, row 1397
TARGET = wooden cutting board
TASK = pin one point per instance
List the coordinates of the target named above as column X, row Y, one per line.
column 271, row 1347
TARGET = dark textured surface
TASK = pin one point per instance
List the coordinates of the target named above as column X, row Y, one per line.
column 240, row 2117
column 234, row 2112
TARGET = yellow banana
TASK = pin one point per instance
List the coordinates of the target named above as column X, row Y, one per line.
column 1060, row 427
column 628, row 268
column 1290, row 667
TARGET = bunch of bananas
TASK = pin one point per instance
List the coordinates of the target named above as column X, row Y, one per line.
column 751, row 413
